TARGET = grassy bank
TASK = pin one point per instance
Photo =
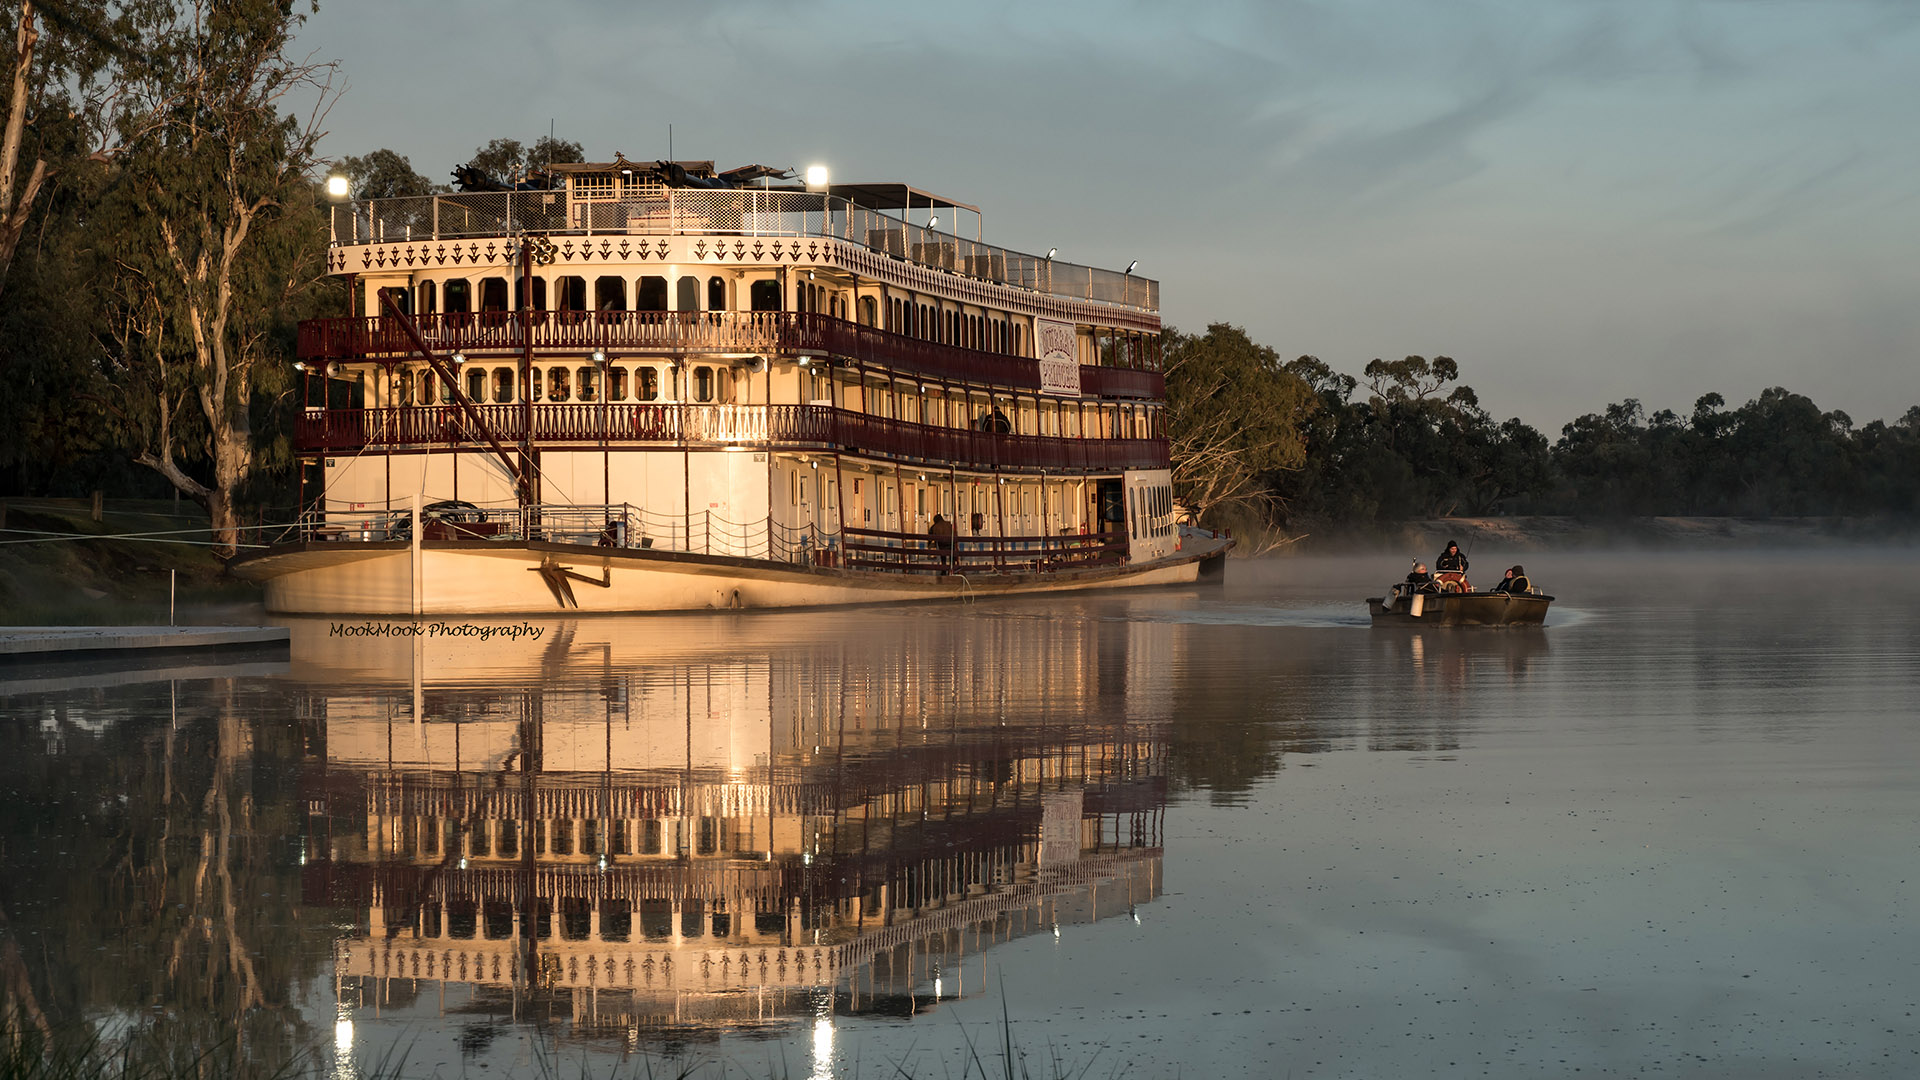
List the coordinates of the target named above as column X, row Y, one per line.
column 48, row 578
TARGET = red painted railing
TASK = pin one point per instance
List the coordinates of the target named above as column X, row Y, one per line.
column 873, row 549
column 696, row 333
column 797, row 427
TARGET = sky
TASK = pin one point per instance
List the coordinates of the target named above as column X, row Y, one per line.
column 1580, row 201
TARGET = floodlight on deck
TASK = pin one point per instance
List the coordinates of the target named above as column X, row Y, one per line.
column 933, row 222
column 339, row 187
column 1051, row 252
column 816, row 177
column 599, row 356
column 459, row 358
column 1131, row 265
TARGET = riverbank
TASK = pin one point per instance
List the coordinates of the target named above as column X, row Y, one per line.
column 59, row 567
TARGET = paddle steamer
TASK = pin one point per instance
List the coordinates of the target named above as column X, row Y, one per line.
column 654, row 386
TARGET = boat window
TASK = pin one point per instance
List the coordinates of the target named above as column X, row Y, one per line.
column 537, row 294
column 571, row 292
column 477, row 384
column 402, row 299
column 651, row 295
column 649, row 384
column 493, row 294
column 716, row 294
column 589, row 383
column 425, row 393
column 402, row 388
column 459, row 295
column 426, row 295
column 616, row 384
column 509, row 839
column 765, row 295
column 869, row 311
column 610, row 293
column 536, row 386
column 557, row 388
column 502, row 385
column 687, row 294
column 703, row 384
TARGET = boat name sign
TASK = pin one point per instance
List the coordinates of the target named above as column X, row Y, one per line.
column 1056, row 345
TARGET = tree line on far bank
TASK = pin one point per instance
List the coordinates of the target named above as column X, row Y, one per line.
column 1287, row 443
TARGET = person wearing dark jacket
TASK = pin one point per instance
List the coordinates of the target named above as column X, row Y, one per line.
column 1419, row 580
column 1450, row 560
column 1516, row 582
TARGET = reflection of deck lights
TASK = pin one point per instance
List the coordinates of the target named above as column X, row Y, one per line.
column 343, row 1035
column 822, row 1046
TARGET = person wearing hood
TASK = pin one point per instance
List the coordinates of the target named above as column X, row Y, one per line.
column 1451, row 568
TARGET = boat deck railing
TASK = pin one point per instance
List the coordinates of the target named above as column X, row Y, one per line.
column 493, row 336
column 623, row 525
column 801, row 428
column 734, row 214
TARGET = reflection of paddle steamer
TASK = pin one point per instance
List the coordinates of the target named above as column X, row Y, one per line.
column 729, row 838
column 653, row 386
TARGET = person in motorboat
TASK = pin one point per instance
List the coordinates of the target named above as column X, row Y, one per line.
column 1515, row 582
column 1450, row 569
column 1419, row 580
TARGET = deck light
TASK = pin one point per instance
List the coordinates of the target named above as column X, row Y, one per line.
column 339, row 187
column 805, row 360
column 599, row 356
column 459, row 358
column 299, row 365
column 1131, row 265
column 1051, row 252
column 933, row 222
column 816, row 177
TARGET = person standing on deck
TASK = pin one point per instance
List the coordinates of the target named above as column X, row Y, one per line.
column 941, row 534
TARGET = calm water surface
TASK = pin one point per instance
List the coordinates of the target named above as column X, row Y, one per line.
column 1213, row 832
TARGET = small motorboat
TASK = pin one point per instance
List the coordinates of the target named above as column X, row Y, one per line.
column 1407, row 606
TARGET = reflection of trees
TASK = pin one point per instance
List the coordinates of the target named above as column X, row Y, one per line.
column 158, row 890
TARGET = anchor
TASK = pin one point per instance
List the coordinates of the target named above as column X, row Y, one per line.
column 560, row 580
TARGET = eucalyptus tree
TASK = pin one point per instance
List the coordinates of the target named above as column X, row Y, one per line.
column 1234, row 416
column 210, row 237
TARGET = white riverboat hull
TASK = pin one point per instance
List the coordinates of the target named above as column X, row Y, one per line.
column 490, row 578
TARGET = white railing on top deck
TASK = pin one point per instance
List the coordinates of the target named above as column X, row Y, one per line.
column 744, row 213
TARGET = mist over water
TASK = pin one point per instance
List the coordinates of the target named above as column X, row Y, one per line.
column 1217, row 831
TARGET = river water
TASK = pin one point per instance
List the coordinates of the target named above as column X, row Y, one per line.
column 1219, row 831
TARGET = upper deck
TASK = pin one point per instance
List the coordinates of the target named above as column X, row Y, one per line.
column 593, row 205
